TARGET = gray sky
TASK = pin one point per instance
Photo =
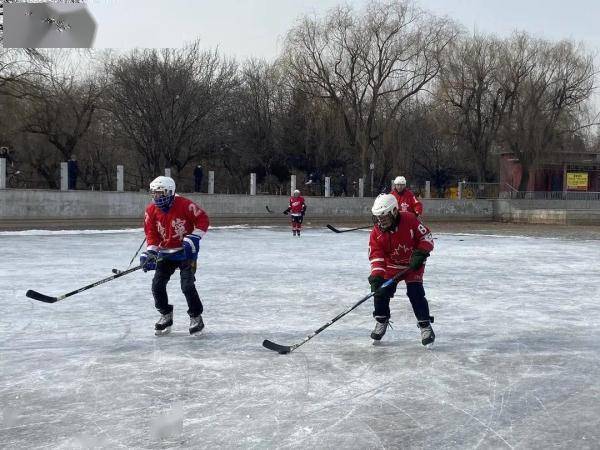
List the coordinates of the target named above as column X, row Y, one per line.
column 255, row 27
column 245, row 28
column 239, row 27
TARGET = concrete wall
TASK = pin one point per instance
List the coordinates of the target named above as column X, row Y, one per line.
column 561, row 212
column 47, row 205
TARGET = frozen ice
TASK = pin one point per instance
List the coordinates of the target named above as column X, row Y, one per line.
column 515, row 364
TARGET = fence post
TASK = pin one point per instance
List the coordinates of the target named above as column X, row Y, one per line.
column 292, row 184
column 327, row 186
column 252, row 184
column 428, row 189
column 361, row 187
column 2, row 173
column 64, row 176
column 120, row 178
column 211, row 181
column 168, row 172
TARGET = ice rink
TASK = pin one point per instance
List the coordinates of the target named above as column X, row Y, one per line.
column 516, row 363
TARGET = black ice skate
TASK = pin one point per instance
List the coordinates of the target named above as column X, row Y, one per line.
column 196, row 325
column 164, row 324
column 294, row 232
column 380, row 329
column 427, row 334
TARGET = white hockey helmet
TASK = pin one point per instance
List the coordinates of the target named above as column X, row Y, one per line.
column 164, row 184
column 296, row 193
column 162, row 190
column 400, row 180
column 385, row 211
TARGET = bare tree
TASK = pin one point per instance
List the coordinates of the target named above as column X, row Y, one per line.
column 168, row 101
column 470, row 89
column 59, row 106
column 547, row 85
column 358, row 62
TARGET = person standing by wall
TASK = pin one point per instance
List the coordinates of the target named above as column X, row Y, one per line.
column 198, row 175
column 343, row 185
column 72, row 172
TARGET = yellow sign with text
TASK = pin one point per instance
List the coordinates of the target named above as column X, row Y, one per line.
column 577, row 181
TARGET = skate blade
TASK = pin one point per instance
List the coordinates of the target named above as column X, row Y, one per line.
column 162, row 332
column 196, row 333
column 429, row 346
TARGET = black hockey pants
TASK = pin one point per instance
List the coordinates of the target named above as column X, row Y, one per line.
column 415, row 293
column 164, row 270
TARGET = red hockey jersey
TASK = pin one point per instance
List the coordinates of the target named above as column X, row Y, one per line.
column 167, row 230
column 408, row 202
column 297, row 205
column 390, row 252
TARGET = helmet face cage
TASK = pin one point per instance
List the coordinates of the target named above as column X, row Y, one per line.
column 162, row 198
column 399, row 183
column 387, row 221
column 162, row 190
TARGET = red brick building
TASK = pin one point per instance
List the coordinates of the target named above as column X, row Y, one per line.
column 557, row 171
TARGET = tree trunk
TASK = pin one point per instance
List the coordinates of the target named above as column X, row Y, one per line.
column 524, row 177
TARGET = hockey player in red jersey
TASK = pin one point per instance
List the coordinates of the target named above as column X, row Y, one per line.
column 296, row 210
column 406, row 199
column 398, row 241
column 174, row 226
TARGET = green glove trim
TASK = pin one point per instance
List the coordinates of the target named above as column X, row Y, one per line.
column 417, row 259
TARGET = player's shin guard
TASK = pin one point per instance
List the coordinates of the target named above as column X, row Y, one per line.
column 159, row 292
column 195, row 307
column 416, row 294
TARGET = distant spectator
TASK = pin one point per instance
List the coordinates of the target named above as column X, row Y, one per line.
column 72, row 172
column 343, row 185
column 7, row 154
column 198, row 175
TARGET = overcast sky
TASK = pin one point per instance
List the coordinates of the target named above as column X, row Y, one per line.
column 255, row 27
column 245, row 28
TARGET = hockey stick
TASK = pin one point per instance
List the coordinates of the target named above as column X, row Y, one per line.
column 47, row 299
column 269, row 209
column 134, row 256
column 284, row 349
column 335, row 230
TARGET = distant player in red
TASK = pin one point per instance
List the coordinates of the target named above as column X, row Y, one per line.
column 406, row 199
column 174, row 226
column 398, row 241
column 296, row 210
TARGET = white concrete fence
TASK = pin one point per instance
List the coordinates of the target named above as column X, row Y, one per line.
column 253, row 188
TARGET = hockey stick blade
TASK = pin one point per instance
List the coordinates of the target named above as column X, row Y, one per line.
column 332, row 228
column 41, row 297
column 269, row 209
column 281, row 349
column 335, row 230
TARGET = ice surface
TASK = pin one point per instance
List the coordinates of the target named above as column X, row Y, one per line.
column 516, row 363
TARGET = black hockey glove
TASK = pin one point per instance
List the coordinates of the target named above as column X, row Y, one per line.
column 375, row 282
column 148, row 260
column 417, row 259
column 287, row 211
